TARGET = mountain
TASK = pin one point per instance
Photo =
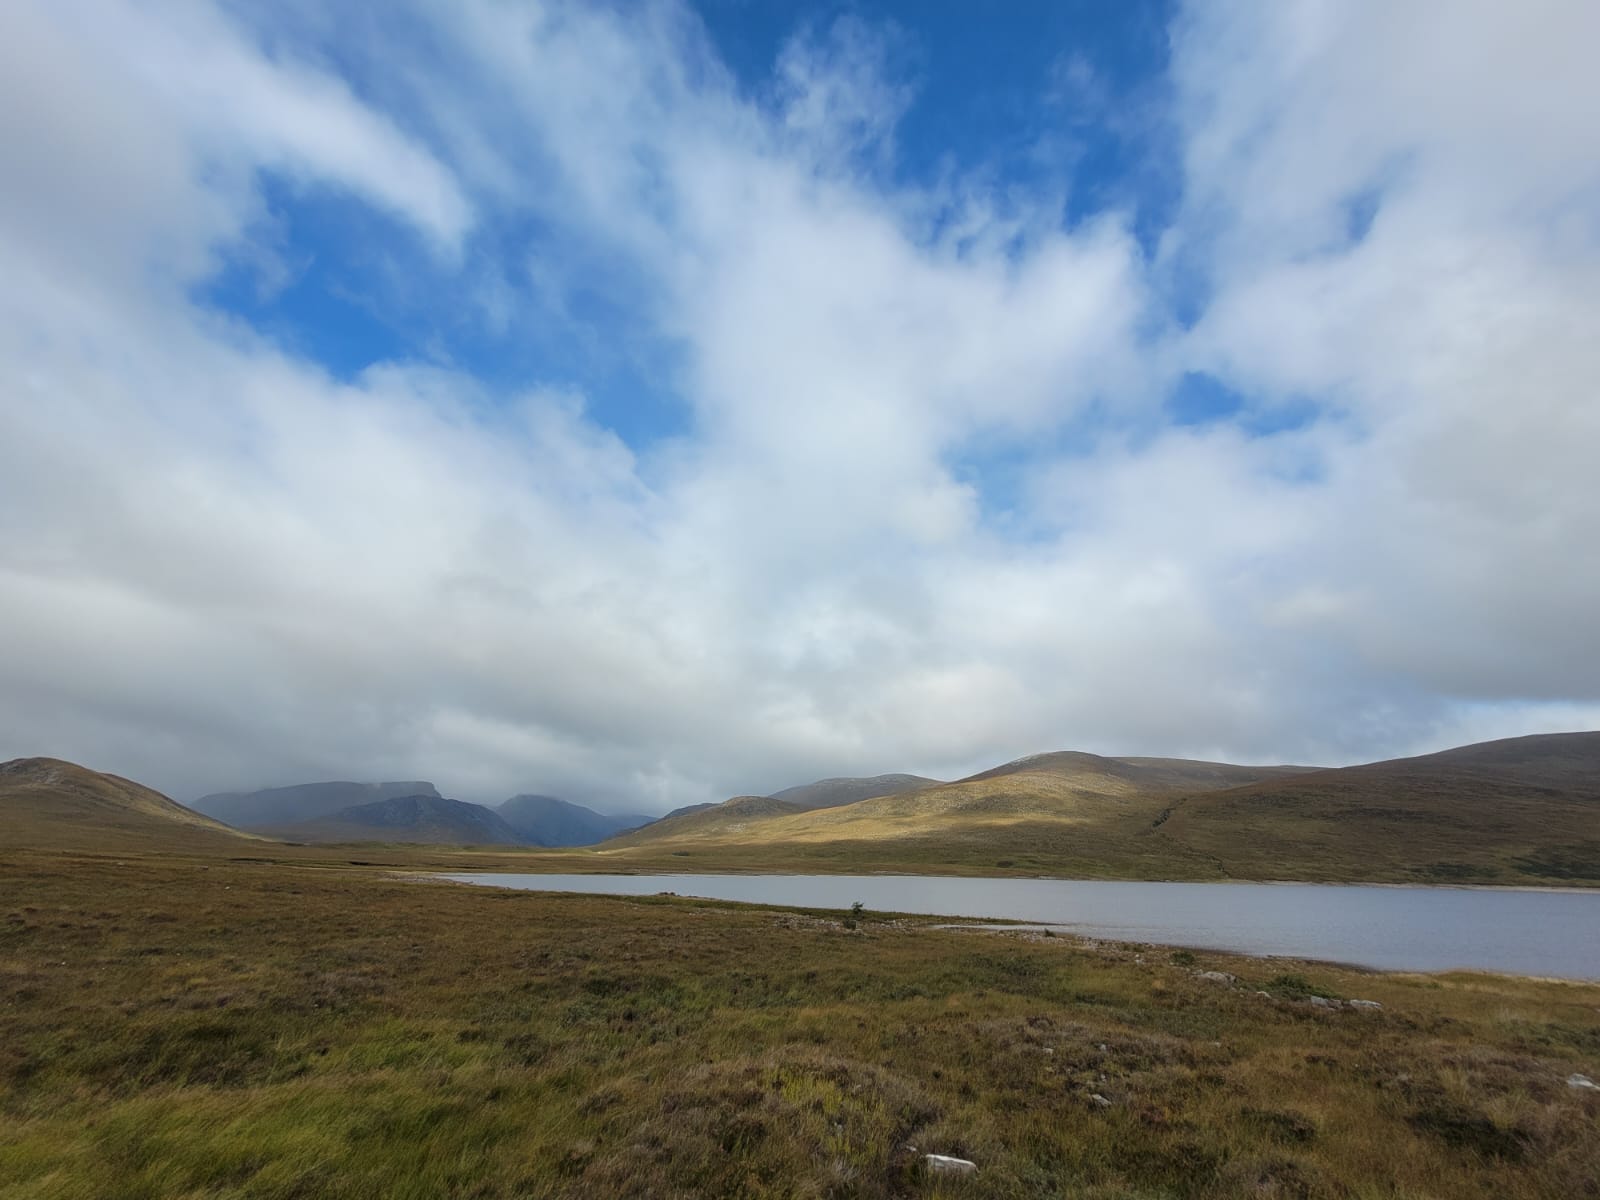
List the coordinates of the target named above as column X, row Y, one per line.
column 737, row 813
column 1524, row 810
column 427, row 819
column 1053, row 787
column 1502, row 811
column 302, row 801
column 1063, row 812
column 831, row 793
column 732, row 818
column 48, row 803
column 689, row 808
column 546, row 821
column 1142, row 774
column 1090, row 794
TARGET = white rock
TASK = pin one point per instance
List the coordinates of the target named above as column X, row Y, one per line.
column 1099, row 1101
column 943, row 1164
column 1368, row 1005
column 1325, row 1002
column 1581, row 1081
column 1217, row 977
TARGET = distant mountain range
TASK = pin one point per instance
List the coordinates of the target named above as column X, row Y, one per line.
column 1521, row 810
column 424, row 818
column 397, row 812
column 302, row 801
column 411, row 811
column 547, row 821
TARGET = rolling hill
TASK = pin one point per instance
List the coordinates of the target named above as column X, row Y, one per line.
column 831, row 793
column 1497, row 811
column 731, row 818
column 1031, row 812
column 49, row 803
column 547, row 821
column 735, row 814
column 1525, row 810
column 689, row 808
column 1517, row 811
column 430, row 820
column 270, row 807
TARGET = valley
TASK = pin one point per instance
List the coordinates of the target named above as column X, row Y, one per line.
column 187, row 1009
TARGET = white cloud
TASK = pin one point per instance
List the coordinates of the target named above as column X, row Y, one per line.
column 134, row 79
column 219, row 566
column 1455, row 334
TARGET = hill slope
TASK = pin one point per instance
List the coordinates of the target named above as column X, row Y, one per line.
column 1521, row 811
column 1502, row 811
column 302, row 801
column 547, row 821
column 831, row 793
column 732, row 818
column 1030, row 813
column 49, row 803
column 1066, row 786
column 425, row 819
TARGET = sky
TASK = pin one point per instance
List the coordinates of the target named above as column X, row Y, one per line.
column 647, row 403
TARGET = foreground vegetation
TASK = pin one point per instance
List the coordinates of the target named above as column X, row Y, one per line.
column 207, row 1027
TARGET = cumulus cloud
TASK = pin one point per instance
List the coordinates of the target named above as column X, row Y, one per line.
column 928, row 508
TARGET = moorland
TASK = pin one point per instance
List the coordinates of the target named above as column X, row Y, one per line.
column 189, row 1011
column 216, row 1026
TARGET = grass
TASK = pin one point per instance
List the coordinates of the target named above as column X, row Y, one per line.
column 1415, row 821
column 1519, row 811
column 204, row 1027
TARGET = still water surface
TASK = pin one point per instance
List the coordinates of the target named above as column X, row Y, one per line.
column 1393, row 928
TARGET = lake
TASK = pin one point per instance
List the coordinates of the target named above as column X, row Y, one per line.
column 1392, row 928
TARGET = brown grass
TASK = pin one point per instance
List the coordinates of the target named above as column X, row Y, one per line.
column 206, row 1027
column 1519, row 811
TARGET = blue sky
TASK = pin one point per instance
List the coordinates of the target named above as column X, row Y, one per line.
column 652, row 403
column 1061, row 104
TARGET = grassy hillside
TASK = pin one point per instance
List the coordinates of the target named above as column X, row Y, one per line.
column 731, row 818
column 1523, row 811
column 1515, row 812
column 1064, row 812
column 1504, row 811
column 48, row 802
column 244, row 1030
column 830, row 793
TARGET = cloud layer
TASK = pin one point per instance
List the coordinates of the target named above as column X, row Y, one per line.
column 911, row 486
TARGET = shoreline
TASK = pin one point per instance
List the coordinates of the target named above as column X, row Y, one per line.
column 736, row 872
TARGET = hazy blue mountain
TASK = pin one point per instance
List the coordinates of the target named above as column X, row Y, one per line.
column 547, row 821
column 301, row 801
column 425, row 818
